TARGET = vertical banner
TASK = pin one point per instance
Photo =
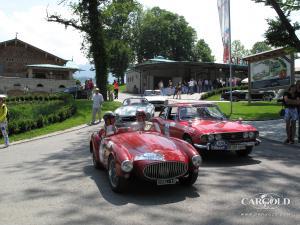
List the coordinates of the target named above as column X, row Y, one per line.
column 223, row 8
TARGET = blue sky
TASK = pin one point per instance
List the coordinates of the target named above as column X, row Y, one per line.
column 28, row 19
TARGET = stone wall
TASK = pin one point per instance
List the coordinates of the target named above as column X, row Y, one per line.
column 11, row 84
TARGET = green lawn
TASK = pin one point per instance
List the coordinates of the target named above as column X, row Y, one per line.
column 82, row 116
column 253, row 111
column 122, row 88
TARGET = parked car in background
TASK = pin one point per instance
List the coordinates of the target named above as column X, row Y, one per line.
column 145, row 154
column 77, row 92
column 156, row 98
column 126, row 113
column 243, row 95
column 205, row 127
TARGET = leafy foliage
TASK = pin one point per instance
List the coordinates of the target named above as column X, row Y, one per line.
column 281, row 31
column 260, row 46
column 238, row 50
column 202, row 52
column 166, row 34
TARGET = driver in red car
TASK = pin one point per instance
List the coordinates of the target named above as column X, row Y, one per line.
column 109, row 125
column 142, row 124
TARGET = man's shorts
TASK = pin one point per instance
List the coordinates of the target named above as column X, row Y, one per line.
column 291, row 114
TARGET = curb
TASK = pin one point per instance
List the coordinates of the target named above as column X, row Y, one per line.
column 49, row 135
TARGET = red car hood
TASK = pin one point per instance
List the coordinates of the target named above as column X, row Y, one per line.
column 139, row 143
column 213, row 126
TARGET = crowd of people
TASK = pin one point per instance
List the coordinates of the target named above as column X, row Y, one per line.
column 195, row 86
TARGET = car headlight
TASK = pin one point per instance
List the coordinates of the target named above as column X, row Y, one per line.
column 196, row 160
column 218, row 137
column 211, row 137
column 126, row 166
column 251, row 135
column 245, row 135
column 204, row 138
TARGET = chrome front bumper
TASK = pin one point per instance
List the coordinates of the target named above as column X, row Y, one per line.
column 229, row 147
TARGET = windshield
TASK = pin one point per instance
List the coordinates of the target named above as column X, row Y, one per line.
column 201, row 112
column 135, row 126
column 135, row 101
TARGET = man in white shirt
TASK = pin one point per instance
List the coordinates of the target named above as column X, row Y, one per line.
column 97, row 102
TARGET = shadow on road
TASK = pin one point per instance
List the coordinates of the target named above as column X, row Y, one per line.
column 226, row 159
column 140, row 192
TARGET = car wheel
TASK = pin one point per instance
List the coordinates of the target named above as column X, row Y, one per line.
column 95, row 162
column 189, row 179
column 118, row 184
column 244, row 153
column 188, row 139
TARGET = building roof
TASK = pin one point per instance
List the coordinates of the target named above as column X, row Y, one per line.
column 51, row 66
column 267, row 54
column 15, row 39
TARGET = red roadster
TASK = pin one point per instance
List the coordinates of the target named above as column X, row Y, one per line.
column 206, row 127
column 146, row 154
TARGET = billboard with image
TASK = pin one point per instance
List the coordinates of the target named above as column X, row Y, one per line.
column 272, row 73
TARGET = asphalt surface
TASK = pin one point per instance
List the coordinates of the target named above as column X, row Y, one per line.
column 52, row 181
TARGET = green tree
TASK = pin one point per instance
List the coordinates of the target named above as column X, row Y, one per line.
column 238, row 50
column 120, row 56
column 202, row 52
column 260, row 46
column 90, row 22
column 166, row 34
column 120, row 18
column 281, row 31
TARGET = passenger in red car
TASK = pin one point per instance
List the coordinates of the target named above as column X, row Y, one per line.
column 109, row 125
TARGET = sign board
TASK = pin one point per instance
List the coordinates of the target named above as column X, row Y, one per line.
column 272, row 73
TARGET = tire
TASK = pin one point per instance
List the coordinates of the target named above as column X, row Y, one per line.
column 95, row 162
column 189, row 179
column 116, row 183
column 244, row 153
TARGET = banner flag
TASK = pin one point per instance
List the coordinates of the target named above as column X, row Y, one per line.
column 223, row 8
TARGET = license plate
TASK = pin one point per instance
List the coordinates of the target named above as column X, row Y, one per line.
column 235, row 147
column 166, row 182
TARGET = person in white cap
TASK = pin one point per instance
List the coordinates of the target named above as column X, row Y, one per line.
column 97, row 102
column 3, row 120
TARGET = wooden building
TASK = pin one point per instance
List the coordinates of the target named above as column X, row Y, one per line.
column 23, row 66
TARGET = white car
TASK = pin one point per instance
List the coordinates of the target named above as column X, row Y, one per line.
column 156, row 98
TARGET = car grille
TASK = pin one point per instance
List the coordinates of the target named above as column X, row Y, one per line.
column 128, row 118
column 165, row 170
column 232, row 136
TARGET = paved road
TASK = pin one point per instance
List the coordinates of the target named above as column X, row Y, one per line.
column 52, row 181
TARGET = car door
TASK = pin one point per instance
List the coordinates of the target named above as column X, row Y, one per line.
column 161, row 119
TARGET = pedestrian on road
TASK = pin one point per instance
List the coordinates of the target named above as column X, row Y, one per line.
column 116, row 89
column 290, row 101
column 97, row 103
column 3, row 120
column 161, row 87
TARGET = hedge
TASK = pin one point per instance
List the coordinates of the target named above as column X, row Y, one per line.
column 16, row 127
column 39, row 98
column 222, row 90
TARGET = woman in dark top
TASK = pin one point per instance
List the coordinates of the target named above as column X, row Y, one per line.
column 291, row 102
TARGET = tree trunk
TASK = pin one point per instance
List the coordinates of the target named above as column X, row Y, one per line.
column 98, row 46
column 290, row 29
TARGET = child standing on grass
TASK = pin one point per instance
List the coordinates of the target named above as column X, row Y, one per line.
column 3, row 120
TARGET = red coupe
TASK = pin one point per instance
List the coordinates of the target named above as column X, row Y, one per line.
column 205, row 127
column 146, row 154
